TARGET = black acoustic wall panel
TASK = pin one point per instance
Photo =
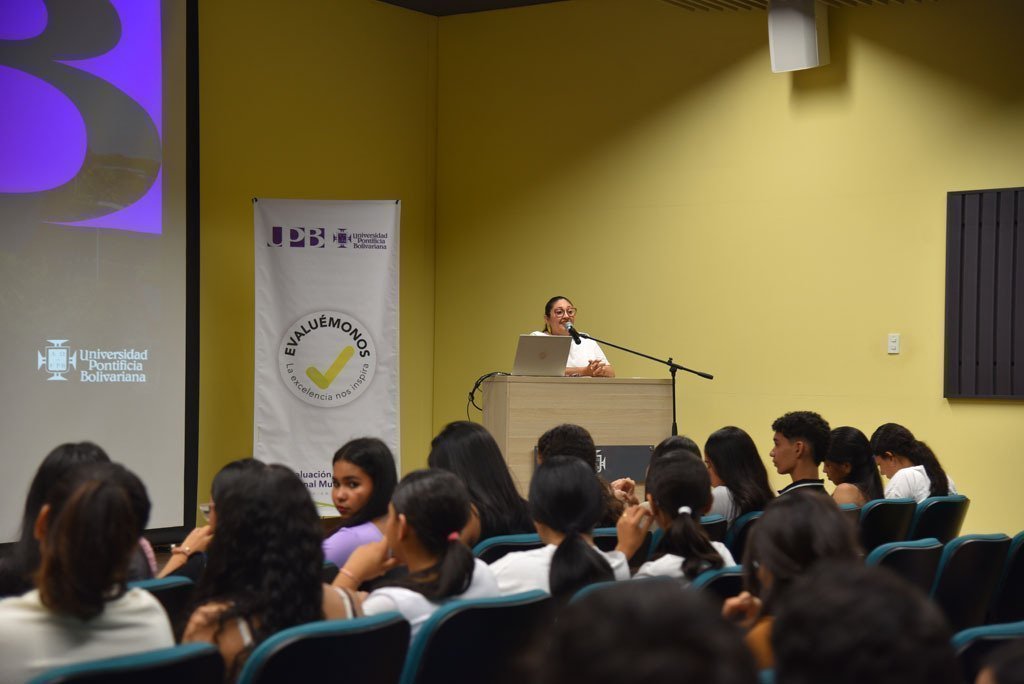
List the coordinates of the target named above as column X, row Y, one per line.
column 985, row 294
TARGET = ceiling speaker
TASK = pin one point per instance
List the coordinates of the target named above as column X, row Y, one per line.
column 797, row 34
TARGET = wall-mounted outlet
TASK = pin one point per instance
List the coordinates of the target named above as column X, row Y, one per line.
column 893, row 343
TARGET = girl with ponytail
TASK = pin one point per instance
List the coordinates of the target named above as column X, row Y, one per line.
column 910, row 465
column 422, row 532
column 88, row 526
column 566, row 502
column 679, row 492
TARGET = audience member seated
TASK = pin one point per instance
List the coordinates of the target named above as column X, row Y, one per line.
column 427, row 512
column 20, row 563
column 264, row 564
column 572, row 440
column 851, row 468
column 796, row 531
column 679, row 492
column 468, row 450
column 845, row 623
column 566, row 501
column 364, row 480
column 801, row 442
column 1004, row 666
column 87, row 528
column 739, row 479
column 188, row 559
column 649, row 632
column 910, row 465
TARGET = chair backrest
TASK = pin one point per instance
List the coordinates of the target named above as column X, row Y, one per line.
column 598, row 586
column 174, row 593
column 973, row 645
column 720, row 584
column 915, row 561
column 940, row 517
column 851, row 512
column 475, row 640
column 318, row 651
column 716, row 526
column 198, row 663
column 493, row 548
column 885, row 520
column 736, row 537
column 1008, row 603
column 969, row 572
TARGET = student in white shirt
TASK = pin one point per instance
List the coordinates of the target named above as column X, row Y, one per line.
column 566, row 501
column 427, row 513
column 910, row 465
column 87, row 528
column 678, row 492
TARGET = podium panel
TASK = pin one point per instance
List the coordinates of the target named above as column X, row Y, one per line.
column 519, row 409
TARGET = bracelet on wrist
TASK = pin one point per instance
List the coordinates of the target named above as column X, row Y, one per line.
column 348, row 573
column 181, row 549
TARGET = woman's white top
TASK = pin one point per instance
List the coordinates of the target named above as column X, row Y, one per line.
column 581, row 354
column 34, row 639
column 912, row 483
column 723, row 504
column 417, row 608
column 671, row 565
column 528, row 570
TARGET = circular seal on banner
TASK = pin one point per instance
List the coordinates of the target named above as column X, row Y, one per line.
column 327, row 358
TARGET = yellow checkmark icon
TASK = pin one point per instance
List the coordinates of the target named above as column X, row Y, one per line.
column 324, row 380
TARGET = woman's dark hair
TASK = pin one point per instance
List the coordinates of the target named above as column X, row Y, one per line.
column 566, row 496
column 550, row 305
column 899, row 441
column 265, row 561
column 673, row 443
column 796, row 531
column 227, row 477
column 568, row 439
column 468, row 450
column 93, row 526
column 650, row 631
column 738, row 464
column 17, row 568
column 680, row 479
column 374, row 458
column 435, row 504
column 849, row 445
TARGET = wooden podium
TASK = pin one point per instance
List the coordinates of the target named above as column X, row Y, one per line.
column 519, row 409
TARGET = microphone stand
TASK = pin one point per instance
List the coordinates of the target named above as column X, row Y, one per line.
column 672, row 368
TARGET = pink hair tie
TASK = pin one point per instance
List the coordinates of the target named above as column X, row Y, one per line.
column 454, row 536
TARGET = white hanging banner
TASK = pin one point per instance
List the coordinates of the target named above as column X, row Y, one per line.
column 326, row 332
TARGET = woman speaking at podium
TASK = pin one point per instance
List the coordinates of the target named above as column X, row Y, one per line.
column 585, row 358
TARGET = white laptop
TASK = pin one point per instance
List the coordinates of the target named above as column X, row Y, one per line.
column 541, row 355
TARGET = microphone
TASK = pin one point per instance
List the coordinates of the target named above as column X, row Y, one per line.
column 572, row 331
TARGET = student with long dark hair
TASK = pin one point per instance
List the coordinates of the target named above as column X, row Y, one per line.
column 364, row 479
column 566, row 502
column 679, row 492
column 427, row 513
column 795, row 532
column 469, row 451
column 739, row 479
column 909, row 464
column 264, row 565
column 87, row 528
column 573, row 440
column 848, row 463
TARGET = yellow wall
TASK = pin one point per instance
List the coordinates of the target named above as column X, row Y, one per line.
column 323, row 99
column 769, row 228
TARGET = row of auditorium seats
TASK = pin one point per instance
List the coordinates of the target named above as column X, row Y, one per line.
column 466, row 641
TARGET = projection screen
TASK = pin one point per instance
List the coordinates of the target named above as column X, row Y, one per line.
column 99, row 256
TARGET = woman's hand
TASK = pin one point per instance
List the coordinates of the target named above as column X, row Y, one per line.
column 366, row 562
column 624, row 490
column 743, row 609
column 198, row 539
column 632, row 528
